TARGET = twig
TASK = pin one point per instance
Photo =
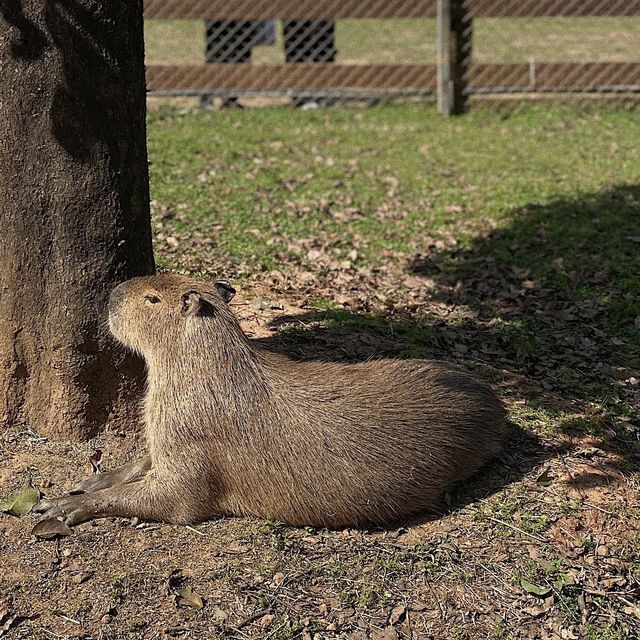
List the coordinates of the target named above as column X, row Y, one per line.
column 593, row 506
column 272, row 633
column 67, row 618
column 572, row 477
column 611, row 594
column 567, row 533
column 522, row 531
column 204, row 535
column 252, row 618
column 435, row 595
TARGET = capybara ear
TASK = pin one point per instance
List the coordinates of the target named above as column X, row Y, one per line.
column 225, row 290
column 195, row 303
column 191, row 303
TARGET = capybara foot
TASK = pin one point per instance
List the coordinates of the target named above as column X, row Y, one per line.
column 74, row 509
column 127, row 473
column 150, row 498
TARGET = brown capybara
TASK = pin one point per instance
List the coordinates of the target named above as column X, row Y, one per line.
column 234, row 429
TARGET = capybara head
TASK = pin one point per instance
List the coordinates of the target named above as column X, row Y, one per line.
column 162, row 313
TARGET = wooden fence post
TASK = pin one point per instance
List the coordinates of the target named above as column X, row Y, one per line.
column 455, row 36
column 445, row 83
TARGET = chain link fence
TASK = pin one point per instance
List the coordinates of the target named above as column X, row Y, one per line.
column 329, row 51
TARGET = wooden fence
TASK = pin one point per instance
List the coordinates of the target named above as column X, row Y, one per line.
column 453, row 76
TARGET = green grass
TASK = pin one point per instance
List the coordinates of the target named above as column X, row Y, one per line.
column 542, row 173
column 246, row 165
column 414, row 41
column 605, row 633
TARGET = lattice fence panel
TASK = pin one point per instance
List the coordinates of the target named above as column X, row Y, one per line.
column 327, row 51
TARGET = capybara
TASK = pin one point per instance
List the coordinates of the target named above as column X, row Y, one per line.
column 234, row 429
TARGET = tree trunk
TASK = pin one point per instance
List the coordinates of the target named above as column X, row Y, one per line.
column 74, row 209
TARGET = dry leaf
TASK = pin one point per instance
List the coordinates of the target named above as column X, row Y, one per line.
column 187, row 597
column 20, row 502
column 266, row 620
column 95, row 461
column 545, row 478
column 218, row 615
column 49, row 529
column 8, row 619
column 397, row 613
column 534, row 612
column 238, row 547
column 388, row 633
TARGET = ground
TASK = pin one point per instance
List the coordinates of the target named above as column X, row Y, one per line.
column 507, row 242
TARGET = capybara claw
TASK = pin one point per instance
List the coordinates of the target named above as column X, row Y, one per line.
column 74, row 509
column 42, row 506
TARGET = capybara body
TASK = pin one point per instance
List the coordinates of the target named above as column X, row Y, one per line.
column 234, row 429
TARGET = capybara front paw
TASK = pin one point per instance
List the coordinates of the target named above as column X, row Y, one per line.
column 74, row 509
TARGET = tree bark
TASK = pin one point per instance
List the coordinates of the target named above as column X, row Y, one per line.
column 74, row 209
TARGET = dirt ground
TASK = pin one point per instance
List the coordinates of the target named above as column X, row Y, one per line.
column 542, row 544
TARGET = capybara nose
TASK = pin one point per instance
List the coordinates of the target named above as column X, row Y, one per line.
column 117, row 294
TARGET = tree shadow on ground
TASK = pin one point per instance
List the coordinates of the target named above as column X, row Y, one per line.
column 555, row 296
column 560, row 281
column 548, row 304
column 28, row 41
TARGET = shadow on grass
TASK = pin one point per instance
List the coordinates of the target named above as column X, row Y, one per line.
column 560, row 285
column 561, row 281
column 551, row 307
column 554, row 295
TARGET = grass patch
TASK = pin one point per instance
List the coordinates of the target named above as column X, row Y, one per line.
column 259, row 179
column 605, row 633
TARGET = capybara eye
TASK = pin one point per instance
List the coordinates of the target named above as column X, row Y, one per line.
column 152, row 299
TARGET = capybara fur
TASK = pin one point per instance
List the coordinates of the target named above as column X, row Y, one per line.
column 234, row 429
